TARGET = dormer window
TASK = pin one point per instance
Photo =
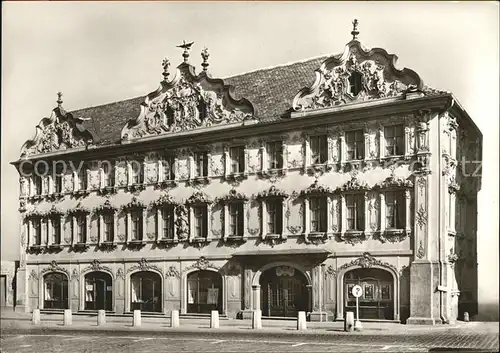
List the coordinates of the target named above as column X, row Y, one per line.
column 356, row 83
column 275, row 155
column 319, row 149
column 237, row 156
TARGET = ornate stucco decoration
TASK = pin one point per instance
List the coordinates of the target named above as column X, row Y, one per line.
column 353, row 185
column 106, row 207
column 316, row 189
column 96, row 265
column 202, row 264
column 34, row 214
column 357, row 75
column 233, row 196
column 173, row 272
column 78, row 210
column 54, row 267
column 54, row 211
column 144, row 265
column 187, row 102
column 272, row 192
column 182, row 222
column 133, row 205
column 367, row 261
column 198, row 198
column 163, row 200
column 59, row 132
column 393, row 182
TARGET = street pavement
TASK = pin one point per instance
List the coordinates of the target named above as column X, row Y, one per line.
column 194, row 335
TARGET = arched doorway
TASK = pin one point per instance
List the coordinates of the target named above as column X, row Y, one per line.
column 146, row 291
column 204, row 292
column 283, row 292
column 377, row 300
column 98, row 291
column 55, row 294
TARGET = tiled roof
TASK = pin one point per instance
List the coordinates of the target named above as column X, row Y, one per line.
column 271, row 91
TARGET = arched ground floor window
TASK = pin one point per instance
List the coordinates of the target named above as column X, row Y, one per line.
column 146, row 291
column 283, row 292
column 204, row 292
column 98, row 291
column 377, row 300
column 55, row 291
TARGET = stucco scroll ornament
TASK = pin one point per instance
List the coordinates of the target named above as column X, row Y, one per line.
column 181, row 222
column 202, row 264
column 173, row 272
column 367, row 261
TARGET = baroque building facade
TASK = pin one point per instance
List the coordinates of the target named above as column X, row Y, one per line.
column 278, row 190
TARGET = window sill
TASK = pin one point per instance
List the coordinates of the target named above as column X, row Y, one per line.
column 270, row 173
column 107, row 190
column 36, row 198
column 393, row 235
column 236, row 176
column 353, row 236
column 316, row 237
column 323, row 167
column 80, row 193
column 167, row 241
column 136, row 187
column 107, row 245
column 235, row 238
column 36, row 249
column 55, row 246
column 166, row 183
column 80, row 246
column 136, row 243
column 199, row 180
column 54, row 196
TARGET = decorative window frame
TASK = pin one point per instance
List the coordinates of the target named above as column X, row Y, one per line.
column 157, row 205
column 141, row 185
column 106, row 209
column 199, row 199
column 77, row 192
column 52, row 195
column 234, row 197
column 54, row 212
column 228, row 175
column 406, row 140
column 134, row 205
column 353, row 186
column 30, row 231
column 392, row 183
column 264, row 171
column 33, row 196
column 194, row 180
column 263, row 197
column 79, row 210
column 317, row 190
column 173, row 160
column 310, row 168
column 105, row 189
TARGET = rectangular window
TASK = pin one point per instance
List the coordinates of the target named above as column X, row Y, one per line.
column 237, row 156
column 235, row 219
column 167, row 215
column 200, row 221
column 82, row 178
column 37, row 181
column 167, row 169
column 136, row 224
column 108, row 175
column 394, row 140
column 200, row 164
column 108, row 223
column 56, row 229
column 319, row 148
column 355, row 212
column 318, row 211
column 137, row 171
column 395, row 209
column 274, row 217
column 37, row 230
column 81, row 229
column 275, row 155
column 355, row 142
column 57, row 183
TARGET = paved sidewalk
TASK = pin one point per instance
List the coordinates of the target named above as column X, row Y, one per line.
column 22, row 321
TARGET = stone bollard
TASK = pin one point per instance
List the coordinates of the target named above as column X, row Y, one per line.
column 257, row 319
column 68, row 320
column 36, row 317
column 101, row 317
column 174, row 318
column 214, row 319
column 466, row 316
column 137, row 318
column 349, row 321
column 301, row 321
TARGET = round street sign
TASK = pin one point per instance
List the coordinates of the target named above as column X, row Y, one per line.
column 357, row 291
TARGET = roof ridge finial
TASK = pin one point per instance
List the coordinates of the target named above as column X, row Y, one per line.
column 205, row 55
column 355, row 31
column 59, row 99
column 186, row 47
column 166, row 64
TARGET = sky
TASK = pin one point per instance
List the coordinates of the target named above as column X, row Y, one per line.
column 102, row 52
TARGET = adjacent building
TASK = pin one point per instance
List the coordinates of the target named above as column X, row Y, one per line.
column 278, row 189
